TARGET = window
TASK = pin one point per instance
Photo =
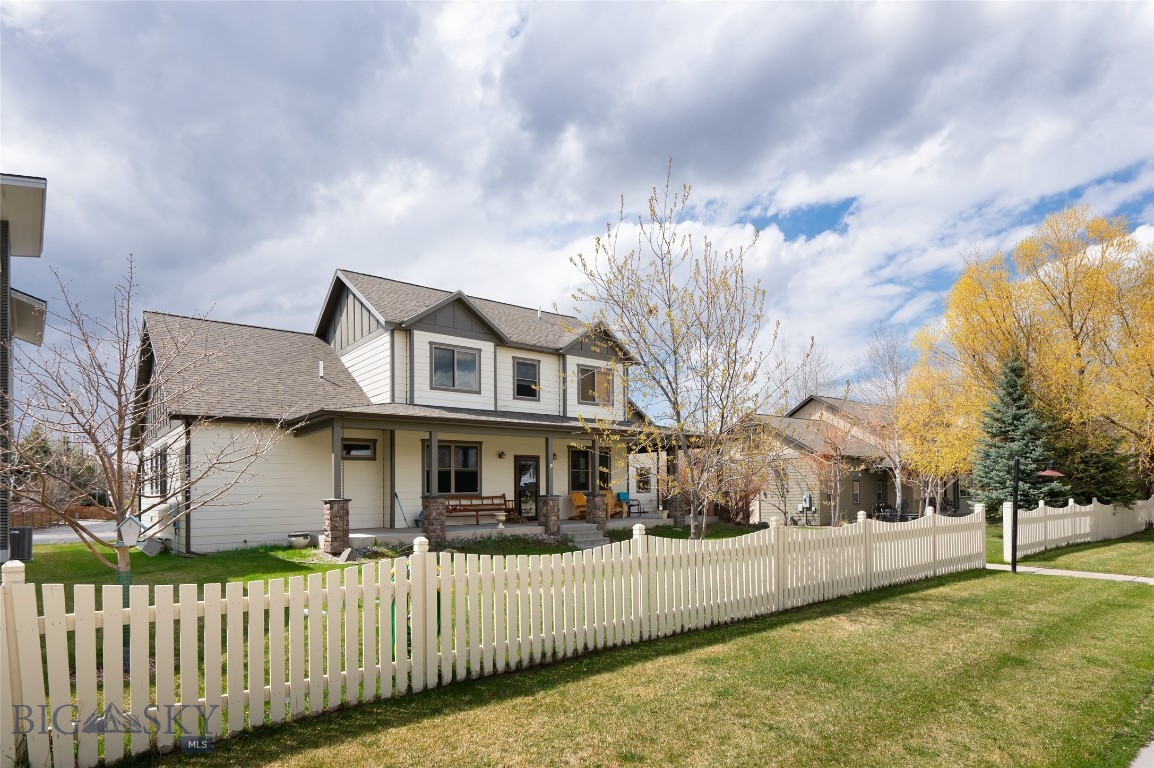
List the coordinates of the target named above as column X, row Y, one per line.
column 881, row 490
column 359, row 450
column 456, row 368
column 644, row 480
column 594, row 385
column 158, row 472
column 526, row 379
column 580, row 471
column 856, row 491
column 458, row 467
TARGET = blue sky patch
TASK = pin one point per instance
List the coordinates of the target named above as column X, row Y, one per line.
column 807, row 221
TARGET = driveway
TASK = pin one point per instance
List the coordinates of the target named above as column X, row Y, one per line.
column 63, row 534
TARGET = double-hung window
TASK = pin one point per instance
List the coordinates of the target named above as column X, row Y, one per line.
column 158, row 469
column 456, row 368
column 526, row 379
column 594, row 385
column 644, row 480
column 458, row 467
column 581, row 470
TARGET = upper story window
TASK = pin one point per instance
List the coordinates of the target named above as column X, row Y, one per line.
column 526, row 379
column 456, row 368
column 594, row 385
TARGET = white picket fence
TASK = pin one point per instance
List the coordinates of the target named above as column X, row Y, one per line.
column 1052, row 527
column 224, row 658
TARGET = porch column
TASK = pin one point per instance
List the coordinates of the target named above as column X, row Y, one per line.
column 595, row 508
column 433, row 503
column 338, row 453
column 548, row 466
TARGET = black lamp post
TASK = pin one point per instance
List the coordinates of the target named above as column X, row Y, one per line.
column 1049, row 471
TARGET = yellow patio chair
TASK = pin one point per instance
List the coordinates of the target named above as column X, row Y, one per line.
column 579, row 504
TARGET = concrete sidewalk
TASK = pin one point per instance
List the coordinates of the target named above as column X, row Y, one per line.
column 1033, row 569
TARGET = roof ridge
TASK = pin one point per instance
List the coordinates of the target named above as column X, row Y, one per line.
column 447, row 292
column 225, row 322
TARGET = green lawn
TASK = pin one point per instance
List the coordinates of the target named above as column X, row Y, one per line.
column 712, row 531
column 975, row 669
column 1133, row 556
column 70, row 564
column 994, row 540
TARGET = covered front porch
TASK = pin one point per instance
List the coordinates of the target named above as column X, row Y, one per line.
column 398, row 471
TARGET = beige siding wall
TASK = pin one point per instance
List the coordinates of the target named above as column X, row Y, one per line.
column 401, row 358
column 591, row 411
column 370, row 365
column 549, row 393
column 285, row 491
column 426, row 395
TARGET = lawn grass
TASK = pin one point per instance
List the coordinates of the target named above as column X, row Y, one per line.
column 973, row 669
column 1132, row 555
column 994, row 540
column 712, row 531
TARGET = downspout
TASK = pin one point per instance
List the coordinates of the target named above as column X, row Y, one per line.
column 187, row 486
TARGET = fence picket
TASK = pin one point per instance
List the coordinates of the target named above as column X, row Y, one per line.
column 164, row 659
column 487, row 613
column 370, row 609
column 386, row 622
column 352, row 616
column 84, row 609
column 59, row 672
column 296, row 614
column 500, row 621
column 466, row 618
column 256, row 651
column 276, row 650
column 24, row 620
column 332, row 616
column 139, row 675
column 234, row 654
column 212, row 661
column 443, row 591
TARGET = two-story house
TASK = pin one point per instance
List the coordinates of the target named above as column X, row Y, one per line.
column 400, row 390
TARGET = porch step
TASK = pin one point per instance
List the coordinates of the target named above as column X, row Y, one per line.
column 584, row 535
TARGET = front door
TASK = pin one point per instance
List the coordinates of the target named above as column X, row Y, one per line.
column 526, row 470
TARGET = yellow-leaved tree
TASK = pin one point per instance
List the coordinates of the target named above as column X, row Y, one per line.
column 1075, row 302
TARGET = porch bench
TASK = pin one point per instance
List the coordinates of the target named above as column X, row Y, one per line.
column 459, row 506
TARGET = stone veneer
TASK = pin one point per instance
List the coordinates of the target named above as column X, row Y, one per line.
column 336, row 525
column 549, row 514
column 433, row 517
column 595, row 509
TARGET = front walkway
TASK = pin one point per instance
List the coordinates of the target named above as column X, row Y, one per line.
column 1033, row 569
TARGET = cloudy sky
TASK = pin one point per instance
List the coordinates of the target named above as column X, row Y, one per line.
column 243, row 151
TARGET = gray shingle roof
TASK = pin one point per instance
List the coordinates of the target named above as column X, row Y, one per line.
column 396, row 301
column 810, row 435
column 227, row 370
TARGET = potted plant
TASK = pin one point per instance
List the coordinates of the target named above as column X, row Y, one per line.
column 299, row 539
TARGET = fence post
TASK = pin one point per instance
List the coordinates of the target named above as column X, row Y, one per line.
column 640, row 574
column 11, row 692
column 867, row 550
column 1007, row 533
column 418, row 585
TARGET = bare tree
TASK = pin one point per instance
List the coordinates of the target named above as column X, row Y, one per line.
column 98, row 387
column 800, row 371
column 690, row 318
column 885, row 378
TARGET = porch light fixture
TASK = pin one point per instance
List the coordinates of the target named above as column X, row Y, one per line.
column 554, row 457
column 500, row 454
column 1049, row 472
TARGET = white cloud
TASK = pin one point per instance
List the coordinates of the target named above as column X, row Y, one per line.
column 243, row 152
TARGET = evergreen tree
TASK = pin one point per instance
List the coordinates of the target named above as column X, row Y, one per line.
column 1095, row 467
column 1012, row 429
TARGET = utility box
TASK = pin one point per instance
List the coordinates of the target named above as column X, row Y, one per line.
column 20, row 538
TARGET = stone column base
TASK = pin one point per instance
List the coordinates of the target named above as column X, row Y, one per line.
column 549, row 513
column 336, row 524
column 595, row 509
column 433, row 518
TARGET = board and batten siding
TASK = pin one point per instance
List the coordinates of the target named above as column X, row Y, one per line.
column 590, row 410
column 370, row 363
column 401, row 361
column 285, row 492
column 549, row 382
column 422, row 372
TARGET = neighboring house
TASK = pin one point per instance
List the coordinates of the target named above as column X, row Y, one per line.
column 391, row 371
column 831, row 448
column 21, row 316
